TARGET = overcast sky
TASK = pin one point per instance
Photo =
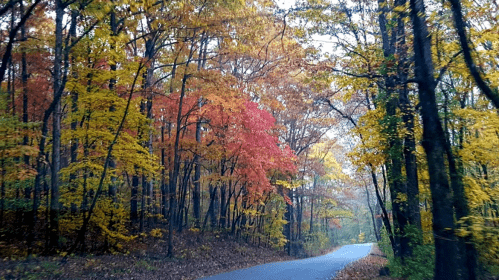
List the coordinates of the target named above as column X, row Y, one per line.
column 285, row 4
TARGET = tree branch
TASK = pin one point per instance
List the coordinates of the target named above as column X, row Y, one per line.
column 492, row 95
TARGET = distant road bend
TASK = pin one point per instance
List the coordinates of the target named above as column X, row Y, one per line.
column 322, row 267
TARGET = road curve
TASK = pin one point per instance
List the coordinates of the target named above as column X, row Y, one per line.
column 322, row 267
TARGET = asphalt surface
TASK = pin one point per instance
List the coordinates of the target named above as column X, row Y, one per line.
column 322, row 267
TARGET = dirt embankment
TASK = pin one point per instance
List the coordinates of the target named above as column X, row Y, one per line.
column 366, row 268
column 196, row 255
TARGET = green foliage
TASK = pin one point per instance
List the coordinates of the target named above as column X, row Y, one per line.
column 144, row 264
column 420, row 266
column 316, row 241
column 385, row 245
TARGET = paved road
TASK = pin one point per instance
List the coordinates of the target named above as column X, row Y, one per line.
column 323, row 267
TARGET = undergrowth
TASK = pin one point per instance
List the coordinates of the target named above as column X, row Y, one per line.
column 417, row 267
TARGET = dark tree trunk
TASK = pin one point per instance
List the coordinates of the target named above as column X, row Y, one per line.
column 312, row 197
column 183, row 209
column 176, row 160
column 299, row 214
column 468, row 259
column 386, row 220
column 196, row 194
column 404, row 212
column 74, row 123
column 492, row 95
column 289, row 218
column 376, row 233
column 2, row 191
column 134, row 214
column 143, row 199
column 394, row 162
column 223, row 205
column 210, row 213
column 412, row 188
column 112, row 192
column 56, row 131
column 7, row 53
column 434, row 145
column 164, row 191
column 24, row 75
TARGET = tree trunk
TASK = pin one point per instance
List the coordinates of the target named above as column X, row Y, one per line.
column 434, row 145
column 56, row 131
column 378, row 238
column 289, row 218
column 492, row 95
column 24, row 74
column 394, row 46
column 412, row 188
column 176, row 161
column 381, row 202
column 112, row 87
column 196, row 194
column 143, row 204
column 74, row 123
column 134, row 214
column 468, row 259
column 312, row 206
column 164, row 191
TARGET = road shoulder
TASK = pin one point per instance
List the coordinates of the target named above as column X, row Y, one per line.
column 365, row 268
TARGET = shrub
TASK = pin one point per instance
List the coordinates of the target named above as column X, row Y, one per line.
column 420, row 266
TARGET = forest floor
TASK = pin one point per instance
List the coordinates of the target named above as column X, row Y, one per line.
column 196, row 255
column 366, row 268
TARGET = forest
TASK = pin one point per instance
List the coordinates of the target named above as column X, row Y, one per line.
column 300, row 127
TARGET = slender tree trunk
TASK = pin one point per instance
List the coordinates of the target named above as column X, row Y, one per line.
column 212, row 211
column 223, row 190
column 24, row 74
column 7, row 53
column 86, row 218
column 299, row 214
column 164, row 191
column 143, row 203
column 56, row 131
column 378, row 238
column 209, row 213
column 112, row 87
column 386, row 220
column 196, row 194
column 2, row 191
column 176, row 157
column 312, row 197
column 74, row 123
column 289, row 226
column 492, row 95
column 150, row 184
column 411, row 169
column 134, row 200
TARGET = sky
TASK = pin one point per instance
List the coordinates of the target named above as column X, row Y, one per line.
column 285, row 4
column 323, row 43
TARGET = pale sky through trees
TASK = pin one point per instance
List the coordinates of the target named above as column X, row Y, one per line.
column 285, row 4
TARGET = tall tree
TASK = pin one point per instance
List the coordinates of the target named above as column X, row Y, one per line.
column 434, row 145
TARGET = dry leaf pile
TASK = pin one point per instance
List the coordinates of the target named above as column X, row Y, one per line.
column 196, row 256
column 366, row 268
